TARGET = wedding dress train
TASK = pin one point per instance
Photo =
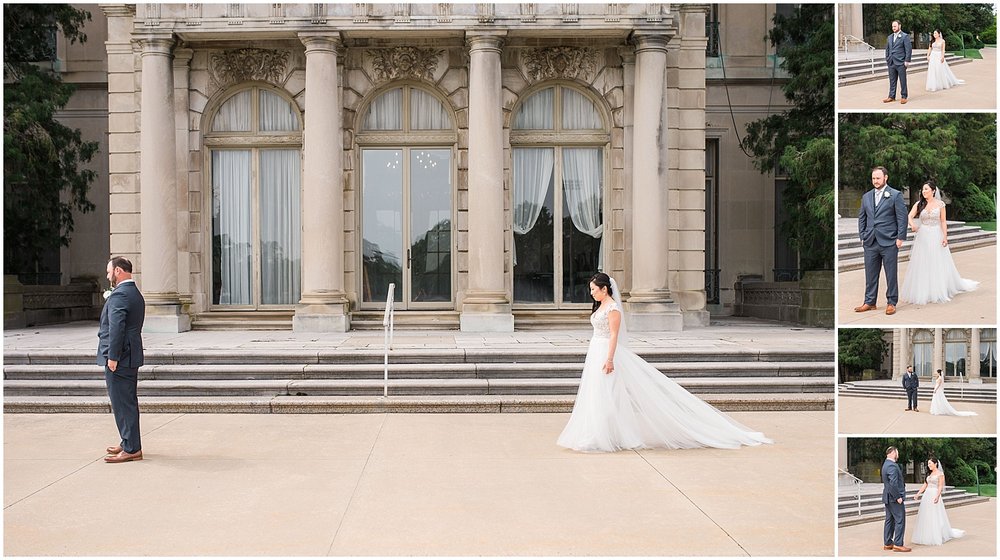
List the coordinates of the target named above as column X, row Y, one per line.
column 940, row 405
column 932, row 526
column 939, row 75
column 637, row 407
column 931, row 276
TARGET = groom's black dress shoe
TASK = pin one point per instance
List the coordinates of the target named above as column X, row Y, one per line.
column 908, row 409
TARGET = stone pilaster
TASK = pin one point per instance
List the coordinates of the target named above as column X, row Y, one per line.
column 182, row 80
column 628, row 132
column 973, row 361
column 323, row 307
column 905, row 352
column 650, row 305
column 158, row 186
column 486, row 306
column 939, row 349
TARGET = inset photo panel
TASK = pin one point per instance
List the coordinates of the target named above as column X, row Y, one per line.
column 917, row 381
column 916, row 57
column 916, row 219
column 928, row 496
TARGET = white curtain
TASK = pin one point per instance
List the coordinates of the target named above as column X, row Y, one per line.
column 578, row 112
column 280, row 226
column 276, row 114
column 231, row 207
column 234, row 115
column 536, row 111
column 532, row 175
column 582, row 177
column 386, row 111
column 426, row 112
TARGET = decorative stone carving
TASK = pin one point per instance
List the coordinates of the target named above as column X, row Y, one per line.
column 361, row 12
column 401, row 13
column 277, row 13
column 240, row 65
column 152, row 14
column 318, row 13
column 613, row 13
column 404, row 62
column 235, row 14
column 194, row 14
column 570, row 13
column 560, row 62
column 444, row 12
column 486, row 12
column 529, row 12
column 654, row 13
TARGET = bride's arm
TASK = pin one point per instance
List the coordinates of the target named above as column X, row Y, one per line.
column 921, row 491
column 614, row 322
column 940, row 488
column 944, row 226
column 911, row 215
column 942, row 49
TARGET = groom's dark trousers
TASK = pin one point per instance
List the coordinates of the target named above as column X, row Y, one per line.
column 893, row 488
column 877, row 256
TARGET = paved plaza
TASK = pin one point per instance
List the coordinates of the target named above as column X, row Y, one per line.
column 979, row 92
column 861, row 415
column 424, row 484
column 978, row 521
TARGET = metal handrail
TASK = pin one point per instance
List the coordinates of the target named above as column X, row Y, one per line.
column 862, row 42
column 388, row 322
column 857, row 485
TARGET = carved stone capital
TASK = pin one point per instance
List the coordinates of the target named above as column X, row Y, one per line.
column 320, row 42
column 488, row 41
column 155, row 45
column 650, row 41
column 559, row 62
column 241, row 65
column 404, row 62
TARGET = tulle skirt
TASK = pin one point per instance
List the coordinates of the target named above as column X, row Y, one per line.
column 931, row 276
column 638, row 407
column 941, row 407
column 933, row 527
column 939, row 75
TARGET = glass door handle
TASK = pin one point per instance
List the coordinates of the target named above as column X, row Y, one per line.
column 408, row 260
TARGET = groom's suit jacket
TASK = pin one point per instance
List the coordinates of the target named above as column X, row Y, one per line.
column 886, row 223
column 120, row 333
column 911, row 381
column 898, row 51
column 893, row 486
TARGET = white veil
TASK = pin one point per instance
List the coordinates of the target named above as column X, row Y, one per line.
column 616, row 294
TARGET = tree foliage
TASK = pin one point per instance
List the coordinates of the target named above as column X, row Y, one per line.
column 957, row 150
column 920, row 19
column 958, row 455
column 44, row 178
column 801, row 137
column 860, row 349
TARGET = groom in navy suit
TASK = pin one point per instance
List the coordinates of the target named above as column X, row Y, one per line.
column 893, row 497
column 898, row 49
column 120, row 352
column 882, row 228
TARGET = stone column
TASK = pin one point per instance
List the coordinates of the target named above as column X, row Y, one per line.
column 650, row 305
column 486, row 307
column 973, row 368
column 628, row 90
column 850, row 22
column 182, row 75
column 324, row 305
column 905, row 350
column 938, row 350
column 158, row 188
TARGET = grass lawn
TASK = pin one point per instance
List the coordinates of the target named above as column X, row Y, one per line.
column 968, row 53
column 986, row 489
column 988, row 226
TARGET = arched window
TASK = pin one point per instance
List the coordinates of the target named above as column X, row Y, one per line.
column 923, row 353
column 406, row 139
column 254, row 142
column 558, row 139
column 955, row 351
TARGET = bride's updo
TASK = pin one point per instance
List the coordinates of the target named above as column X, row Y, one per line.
column 601, row 280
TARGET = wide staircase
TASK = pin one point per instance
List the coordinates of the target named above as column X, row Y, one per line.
column 852, row 511
column 366, row 320
column 862, row 69
column 956, row 392
column 343, row 380
column 851, row 254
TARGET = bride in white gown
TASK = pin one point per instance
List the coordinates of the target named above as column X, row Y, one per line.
column 933, row 527
column 931, row 276
column 939, row 75
column 625, row 403
column 939, row 403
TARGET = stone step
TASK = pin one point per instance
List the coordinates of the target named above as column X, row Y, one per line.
column 856, row 72
column 253, row 356
column 393, row 404
column 847, row 230
column 413, row 371
column 847, row 496
column 876, row 513
column 969, row 393
column 853, row 259
column 402, row 387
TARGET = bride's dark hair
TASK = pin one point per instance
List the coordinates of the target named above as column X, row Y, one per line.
column 922, row 203
column 935, row 461
column 601, row 280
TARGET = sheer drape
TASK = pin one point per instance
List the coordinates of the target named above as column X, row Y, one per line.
column 578, row 112
column 582, row 177
column 276, row 114
column 280, row 226
column 231, row 208
column 427, row 112
column 532, row 175
column 234, row 115
column 536, row 111
column 386, row 111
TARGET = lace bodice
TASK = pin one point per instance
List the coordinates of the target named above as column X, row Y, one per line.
column 936, row 47
column 931, row 217
column 602, row 328
column 932, row 481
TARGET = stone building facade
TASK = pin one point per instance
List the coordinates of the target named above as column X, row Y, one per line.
column 958, row 352
column 275, row 164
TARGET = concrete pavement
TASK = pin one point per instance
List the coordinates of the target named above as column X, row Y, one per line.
column 978, row 307
column 979, row 521
column 859, row 415
column 979, row 92
column 402, row 484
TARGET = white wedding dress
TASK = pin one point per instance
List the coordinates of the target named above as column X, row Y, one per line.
column 940, row 405
column 939, row 75
column 637, row 407
column 931, row 276
column 932, row 527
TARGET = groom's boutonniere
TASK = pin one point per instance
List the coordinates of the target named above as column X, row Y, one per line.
column 885, row 194
column 107, row 294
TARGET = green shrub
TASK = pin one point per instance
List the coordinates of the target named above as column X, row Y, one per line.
column 989, row 35
column 960, row 474
column 952, row 41
column 974, row 205
column 986, row 473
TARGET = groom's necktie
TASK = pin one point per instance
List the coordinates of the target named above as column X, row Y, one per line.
column 877, row 197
